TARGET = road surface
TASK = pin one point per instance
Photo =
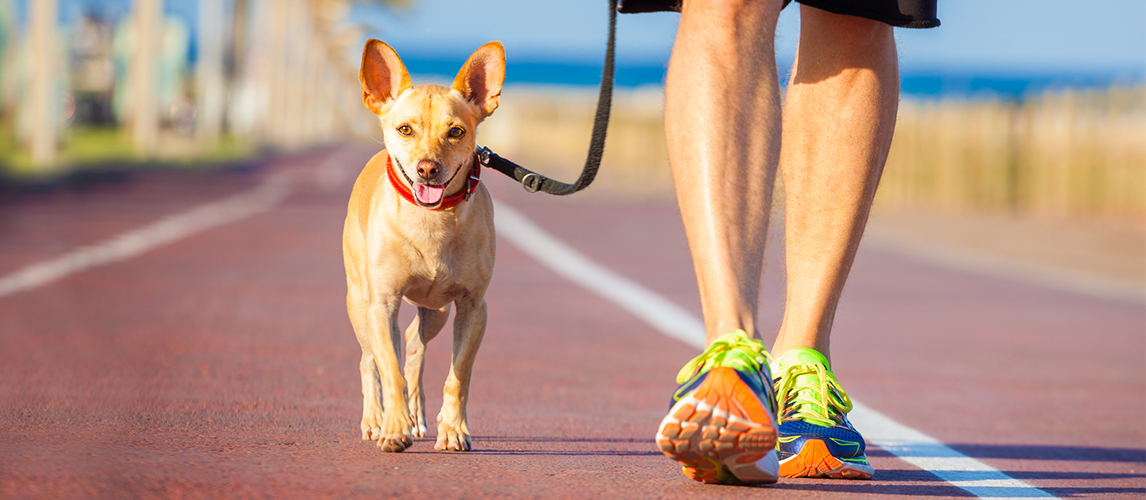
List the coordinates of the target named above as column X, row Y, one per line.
column 219, row 362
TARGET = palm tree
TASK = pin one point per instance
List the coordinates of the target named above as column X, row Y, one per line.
column 290, row 57
column 42, row 30
column 147, row 16
column 294, row 52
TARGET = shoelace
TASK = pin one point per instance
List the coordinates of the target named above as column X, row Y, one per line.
column 735, row 350
column 806, row 403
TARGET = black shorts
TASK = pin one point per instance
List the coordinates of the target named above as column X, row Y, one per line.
column 899, row 13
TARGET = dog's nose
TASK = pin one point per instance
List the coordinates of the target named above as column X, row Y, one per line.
column 428, row 169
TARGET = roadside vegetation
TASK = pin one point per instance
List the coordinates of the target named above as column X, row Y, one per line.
column 128, row 83
column 1078, row 154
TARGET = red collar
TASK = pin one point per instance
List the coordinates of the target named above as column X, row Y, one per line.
column 449, row 201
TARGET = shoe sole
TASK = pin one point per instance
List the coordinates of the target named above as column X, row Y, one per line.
column 721, row 433
column 814, row 460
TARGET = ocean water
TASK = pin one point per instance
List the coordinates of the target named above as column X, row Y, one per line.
column 1013, row 87
column 929, row 84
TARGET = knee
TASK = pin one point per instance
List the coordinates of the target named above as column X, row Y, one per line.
column 843, row 31
column 734, row 13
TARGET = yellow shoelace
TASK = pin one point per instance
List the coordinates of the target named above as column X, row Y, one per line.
column 808, row 402
column 735, row 350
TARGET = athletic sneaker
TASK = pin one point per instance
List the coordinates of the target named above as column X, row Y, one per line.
column 815, row 439
column 721, row 421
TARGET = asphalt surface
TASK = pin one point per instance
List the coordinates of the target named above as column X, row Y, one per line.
column 223, row 364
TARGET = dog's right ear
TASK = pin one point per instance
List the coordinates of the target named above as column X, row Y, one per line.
column 482, row 76
column 383, row 76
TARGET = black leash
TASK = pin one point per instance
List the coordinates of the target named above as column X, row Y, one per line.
column 533, row 181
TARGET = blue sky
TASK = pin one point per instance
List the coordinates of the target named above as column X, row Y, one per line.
column 977, row 36
column 992, row 36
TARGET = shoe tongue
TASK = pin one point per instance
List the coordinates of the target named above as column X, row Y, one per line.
column 798, row 357
column 801, row 356
column 809, row 382
column 430, row 195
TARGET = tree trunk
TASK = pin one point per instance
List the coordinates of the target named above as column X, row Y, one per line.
column 42, row 34
column 148, row 17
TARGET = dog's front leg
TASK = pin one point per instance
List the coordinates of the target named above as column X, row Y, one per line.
column 421, row 331
column 469, row 328
column 371, row 394
column 397, row 426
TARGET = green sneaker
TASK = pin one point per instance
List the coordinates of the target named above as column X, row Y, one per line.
column 815, row 437
column 721, row 420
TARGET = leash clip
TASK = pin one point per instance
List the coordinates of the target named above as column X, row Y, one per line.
column 484, row 154
column 532, row 182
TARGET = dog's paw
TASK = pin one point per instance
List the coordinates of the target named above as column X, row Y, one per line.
column 418, row 415
column 453, row 438
column 372, row 428
column 396, row 433
column 420, row 427
column 395, row 444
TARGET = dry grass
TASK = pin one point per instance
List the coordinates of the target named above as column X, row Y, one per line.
column 548, row 129
column 1070, row 154
column 1063, row 155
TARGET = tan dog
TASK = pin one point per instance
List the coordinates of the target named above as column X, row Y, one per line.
column 399, row 242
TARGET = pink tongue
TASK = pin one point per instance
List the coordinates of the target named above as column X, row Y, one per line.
column 430, row 195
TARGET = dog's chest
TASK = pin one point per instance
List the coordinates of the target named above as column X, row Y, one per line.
column 435, row 284
column 445, row 263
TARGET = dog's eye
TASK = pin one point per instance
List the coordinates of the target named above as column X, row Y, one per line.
column 457, row 132
column 405, row 130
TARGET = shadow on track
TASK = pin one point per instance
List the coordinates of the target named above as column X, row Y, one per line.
column 1047, row 452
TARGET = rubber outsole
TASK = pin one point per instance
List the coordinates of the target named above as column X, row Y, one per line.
column 721, row 433
column 814, row 460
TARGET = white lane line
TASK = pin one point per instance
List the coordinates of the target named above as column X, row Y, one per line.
column 161, row 232
column 912, row 446
column 927, row 453
column 643, row 303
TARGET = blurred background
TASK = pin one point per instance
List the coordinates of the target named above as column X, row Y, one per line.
column 1035, row 108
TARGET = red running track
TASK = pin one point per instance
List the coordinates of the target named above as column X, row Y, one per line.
column 223, row 365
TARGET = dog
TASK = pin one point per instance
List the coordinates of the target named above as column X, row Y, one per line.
column 419, row 228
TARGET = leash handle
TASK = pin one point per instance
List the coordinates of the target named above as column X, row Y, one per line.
column 533, row 181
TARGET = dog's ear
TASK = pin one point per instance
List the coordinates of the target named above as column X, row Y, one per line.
column 383, row 76
column 481, row 77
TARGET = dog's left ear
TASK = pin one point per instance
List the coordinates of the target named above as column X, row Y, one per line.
column 383, row 76
column 481, row 77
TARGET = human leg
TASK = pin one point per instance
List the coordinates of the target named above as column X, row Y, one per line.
column 839, row 117
column 838, row 121
column 722, row 126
